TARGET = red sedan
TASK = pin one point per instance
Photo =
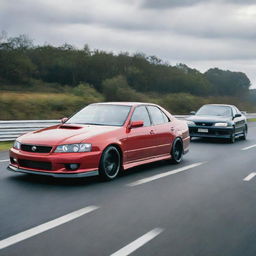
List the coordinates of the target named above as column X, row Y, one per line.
column 102, row 138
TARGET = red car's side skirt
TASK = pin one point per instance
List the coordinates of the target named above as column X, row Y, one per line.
column 146, row 161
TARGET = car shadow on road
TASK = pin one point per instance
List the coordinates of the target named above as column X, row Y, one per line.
column 51, row 181
column 214, row 141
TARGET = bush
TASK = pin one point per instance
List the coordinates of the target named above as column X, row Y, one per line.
column 118, row 89
column 88, row 92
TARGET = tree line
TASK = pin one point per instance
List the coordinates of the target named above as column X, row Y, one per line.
column 23, row 63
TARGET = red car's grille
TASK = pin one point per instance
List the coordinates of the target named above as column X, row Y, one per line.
column 35, row 148
column 35, row 164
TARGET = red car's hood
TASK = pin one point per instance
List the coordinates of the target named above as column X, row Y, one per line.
column 64, row 134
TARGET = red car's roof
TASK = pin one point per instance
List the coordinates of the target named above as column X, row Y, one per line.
column 126, row 103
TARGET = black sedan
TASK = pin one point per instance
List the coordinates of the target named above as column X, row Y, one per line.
column 218, row 121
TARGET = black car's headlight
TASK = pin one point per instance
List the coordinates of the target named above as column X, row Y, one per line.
column 224, row 124
column 16, row 144
column 74, row 148
column 190, row 122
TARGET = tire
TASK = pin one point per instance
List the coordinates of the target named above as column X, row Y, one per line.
column 177, row 151
column 110, row 163
column 232, row 137
column 244, row 133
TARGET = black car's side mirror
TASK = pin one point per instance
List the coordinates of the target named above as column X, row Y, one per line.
column 192, row 112
column 237, row 115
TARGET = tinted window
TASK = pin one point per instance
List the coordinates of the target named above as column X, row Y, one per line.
column 141, row 114
column 234, row 111
column 237, row 110
column 166, row 119
column 101, row 114
column 157, row 116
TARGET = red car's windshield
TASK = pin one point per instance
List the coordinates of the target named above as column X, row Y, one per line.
column 101, row 114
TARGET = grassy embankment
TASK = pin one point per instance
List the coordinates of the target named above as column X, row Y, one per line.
column 30, row 105
column 5, row 145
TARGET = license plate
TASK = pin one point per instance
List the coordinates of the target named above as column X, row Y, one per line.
column 203, row 130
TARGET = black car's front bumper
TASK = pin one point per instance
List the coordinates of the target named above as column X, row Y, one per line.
column 210, row 132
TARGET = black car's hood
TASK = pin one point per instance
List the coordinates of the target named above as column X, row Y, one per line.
column 197, row 118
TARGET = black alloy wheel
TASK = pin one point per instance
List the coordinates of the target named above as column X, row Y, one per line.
column 245, row 131
column 232, row 138
column 110, row 163
column 177, row 151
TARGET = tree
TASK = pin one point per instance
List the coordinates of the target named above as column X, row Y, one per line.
column 226, row 82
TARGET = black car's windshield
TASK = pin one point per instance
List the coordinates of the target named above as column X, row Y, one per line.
column 101, row 114
column 212, row 110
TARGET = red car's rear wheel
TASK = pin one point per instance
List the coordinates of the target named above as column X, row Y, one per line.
column 177, row 151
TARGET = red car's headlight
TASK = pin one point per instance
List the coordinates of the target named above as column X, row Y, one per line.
column 16, row 144
column 74, row 148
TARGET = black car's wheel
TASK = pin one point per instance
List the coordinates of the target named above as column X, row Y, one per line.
column 232, row 138
column 110, row 163
column 177, row 151
column 244, row 133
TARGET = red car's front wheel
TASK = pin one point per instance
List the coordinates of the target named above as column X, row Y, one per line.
column 110, row 163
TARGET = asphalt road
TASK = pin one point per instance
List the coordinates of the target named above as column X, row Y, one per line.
column 206, row 208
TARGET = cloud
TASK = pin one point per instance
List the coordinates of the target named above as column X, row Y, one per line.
column 159, row 4
column 195, row 31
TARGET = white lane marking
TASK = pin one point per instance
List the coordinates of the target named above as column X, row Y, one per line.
column 136, row 244
column 46, row 226
column 162, row 175
column 252, row 146
column 5, row 160
column 250, row 176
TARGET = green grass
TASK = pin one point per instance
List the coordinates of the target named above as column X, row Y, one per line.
column 252, row 120
column 5, row 145
column 22, row 106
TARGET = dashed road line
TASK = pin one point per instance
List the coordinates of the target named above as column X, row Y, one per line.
column 5, row 160
column 252, row 146
column 162, row 175
column 136, row 244
column 250, row 176
column 46, row 226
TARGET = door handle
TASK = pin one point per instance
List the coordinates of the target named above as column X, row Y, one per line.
column 152, row 132
column 172, row 129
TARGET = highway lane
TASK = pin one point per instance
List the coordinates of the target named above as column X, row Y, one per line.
column 206, row 210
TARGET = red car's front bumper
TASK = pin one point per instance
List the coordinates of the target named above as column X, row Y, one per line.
column 55, row 164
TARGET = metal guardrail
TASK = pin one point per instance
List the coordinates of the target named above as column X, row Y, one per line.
column 10, row 130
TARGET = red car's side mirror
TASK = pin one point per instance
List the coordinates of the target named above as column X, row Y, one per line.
column 64, row 120
column 136, row 124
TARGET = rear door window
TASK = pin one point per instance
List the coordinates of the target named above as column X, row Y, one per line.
column 157, row 115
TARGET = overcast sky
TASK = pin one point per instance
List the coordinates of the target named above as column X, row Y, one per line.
column 199, row 33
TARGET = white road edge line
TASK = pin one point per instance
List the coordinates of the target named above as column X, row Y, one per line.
column 162, row 175
column 252, row 146
column 45, row 226
column 250, row 176
column 136, row 244
column 5, row 160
